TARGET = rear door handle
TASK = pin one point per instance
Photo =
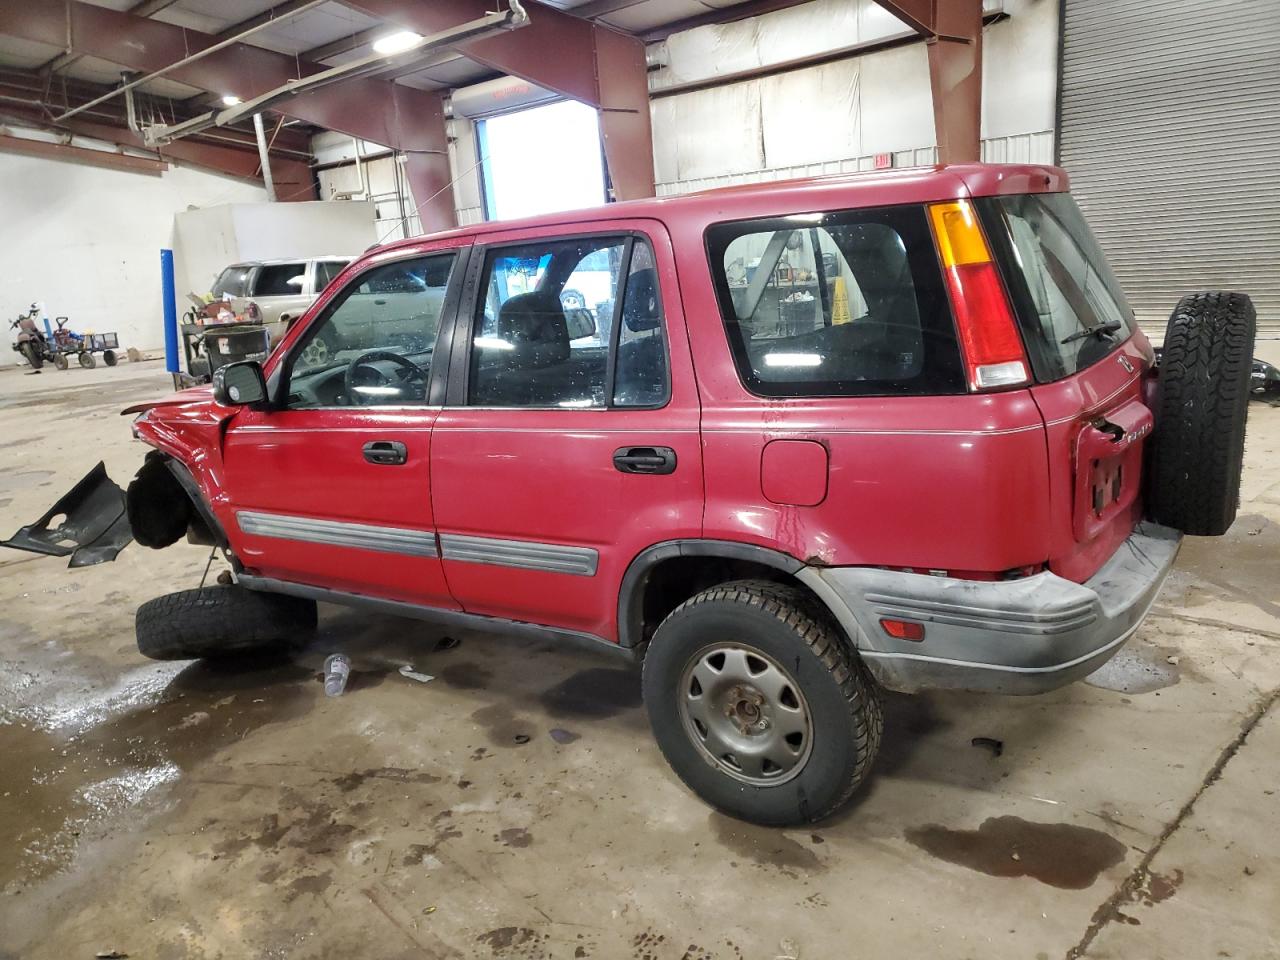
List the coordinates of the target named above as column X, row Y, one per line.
column 387, row 452
column 650, row 460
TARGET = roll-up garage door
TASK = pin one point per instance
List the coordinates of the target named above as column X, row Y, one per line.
column 1170, row 129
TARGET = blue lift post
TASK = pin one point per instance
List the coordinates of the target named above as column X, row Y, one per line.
column 169, row 295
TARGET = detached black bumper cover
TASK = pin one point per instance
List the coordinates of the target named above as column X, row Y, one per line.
column 95, row 525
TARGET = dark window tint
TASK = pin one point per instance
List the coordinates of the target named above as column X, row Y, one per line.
column 1060, row 281
column 232, row 282
column 280, row 280
column 393, row 312
column 326, row 270
column 542, row 335
column 841, row 304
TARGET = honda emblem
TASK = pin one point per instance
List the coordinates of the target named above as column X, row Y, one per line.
column 1124, row 362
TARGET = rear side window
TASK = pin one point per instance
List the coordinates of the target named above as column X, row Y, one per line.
column 232, row 282
column 836, row 304
column 326, row 270
column 1061, row 284
column 280, row 280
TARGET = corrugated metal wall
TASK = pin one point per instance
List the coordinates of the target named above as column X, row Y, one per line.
column 1170, row 129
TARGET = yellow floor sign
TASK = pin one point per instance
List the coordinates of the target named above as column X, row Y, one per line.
column 840, row 303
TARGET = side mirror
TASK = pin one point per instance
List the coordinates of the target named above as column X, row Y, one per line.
column 581, row 323
column 239, row 384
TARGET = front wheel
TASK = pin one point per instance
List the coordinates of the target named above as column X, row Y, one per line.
column 87, row 361
column 758, row 704
column 32, row 354
column 60, row 361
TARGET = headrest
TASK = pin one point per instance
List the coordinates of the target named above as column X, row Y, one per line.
column 534, row 324
column 642, row 308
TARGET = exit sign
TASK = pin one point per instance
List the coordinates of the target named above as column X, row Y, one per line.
column 883, row 161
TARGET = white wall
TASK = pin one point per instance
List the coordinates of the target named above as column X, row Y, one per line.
column 837, row 116
column 86, row 241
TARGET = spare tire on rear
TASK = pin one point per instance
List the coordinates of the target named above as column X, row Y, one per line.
column 1194, row 476
column 221, row 622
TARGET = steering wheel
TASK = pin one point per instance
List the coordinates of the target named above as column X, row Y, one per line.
column 354, row 396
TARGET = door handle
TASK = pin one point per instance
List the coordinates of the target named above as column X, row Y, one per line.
column 379, row 303
column 387, row 452
column 649, row 460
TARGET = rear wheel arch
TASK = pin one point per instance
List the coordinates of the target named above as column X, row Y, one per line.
column 664, row 575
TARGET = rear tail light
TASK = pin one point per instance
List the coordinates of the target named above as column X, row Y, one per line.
column 993, row 353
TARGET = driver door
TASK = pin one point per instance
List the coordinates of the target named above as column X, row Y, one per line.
column 331, row 487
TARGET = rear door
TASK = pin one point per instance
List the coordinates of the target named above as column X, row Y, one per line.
column 569, row 440
column 1088, row 357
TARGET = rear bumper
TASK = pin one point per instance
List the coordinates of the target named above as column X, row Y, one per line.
column 1018, row 636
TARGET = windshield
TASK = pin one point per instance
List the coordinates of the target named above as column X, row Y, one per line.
column 232, row 282
column 1070, row 307
column 836, row 304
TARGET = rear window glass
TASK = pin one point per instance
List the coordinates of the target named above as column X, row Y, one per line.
column 232, row 282
column 1070, row 307
column 836, row 304
column 280, row 280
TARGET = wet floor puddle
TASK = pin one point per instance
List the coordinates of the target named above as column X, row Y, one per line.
column 72, row 770
column 1058, row 854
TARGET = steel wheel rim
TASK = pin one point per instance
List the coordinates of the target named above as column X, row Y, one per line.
column 315, row 353
column 745, row 714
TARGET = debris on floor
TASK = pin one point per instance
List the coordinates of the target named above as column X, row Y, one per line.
column 337, row 668
column 408, row 671
column 991, row 743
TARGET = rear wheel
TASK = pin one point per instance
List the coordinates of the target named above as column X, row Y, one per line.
column 1204, row 399
column 32, row 354
column 87, row 361
column 221, row 621
column 318, row 351
column 109, row 358
column 758, row 704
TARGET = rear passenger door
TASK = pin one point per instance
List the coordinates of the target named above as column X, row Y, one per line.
column 569, row 438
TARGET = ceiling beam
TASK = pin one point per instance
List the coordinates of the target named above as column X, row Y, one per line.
column 397, row 116
column 577, row 58
column 63, row 60
column 739, row 11
column 69, row 153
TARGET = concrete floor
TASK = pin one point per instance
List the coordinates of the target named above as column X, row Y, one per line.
column 185, row 810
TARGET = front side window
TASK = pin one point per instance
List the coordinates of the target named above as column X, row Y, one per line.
column 374, row 342
column 280, row 280
column 836, row 304
column 1069, row 304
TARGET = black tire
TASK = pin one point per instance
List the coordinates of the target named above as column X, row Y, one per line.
column 221, row 621
column 60, row 361
column 87, row 361
column 788, row 627
column 1194, row 476
column 32, row 354
column 109, row 358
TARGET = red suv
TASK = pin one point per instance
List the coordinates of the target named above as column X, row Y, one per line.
column 788, row 444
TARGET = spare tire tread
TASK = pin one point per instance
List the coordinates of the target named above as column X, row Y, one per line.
column 1204, row 395
column 220, row 621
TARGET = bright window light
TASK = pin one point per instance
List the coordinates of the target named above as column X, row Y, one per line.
column 230, row 100
column 792, row 360
column 396, row 42
column 541, row 160
column 493, row 343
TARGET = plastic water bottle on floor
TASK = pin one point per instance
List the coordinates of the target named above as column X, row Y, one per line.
column 337, row 668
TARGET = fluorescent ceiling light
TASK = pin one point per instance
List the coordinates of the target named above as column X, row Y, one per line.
column 396, row 42
column 792, row 360
column 230, row 100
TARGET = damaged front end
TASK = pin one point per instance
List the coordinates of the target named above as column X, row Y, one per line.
column 92, row 523
column 95, row 519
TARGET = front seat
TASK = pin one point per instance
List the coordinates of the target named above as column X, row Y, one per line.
column 534, row 336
